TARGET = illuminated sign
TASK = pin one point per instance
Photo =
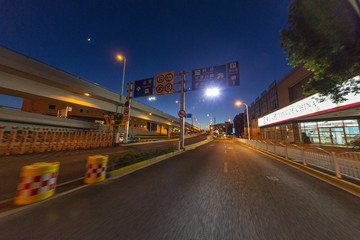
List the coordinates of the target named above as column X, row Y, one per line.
column 307, row 107
column 225, row 75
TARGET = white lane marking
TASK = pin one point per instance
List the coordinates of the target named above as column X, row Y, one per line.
column 229, row 148
column 272, row 178
column 225, row 167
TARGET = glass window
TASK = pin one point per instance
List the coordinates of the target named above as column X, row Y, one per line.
column 330, row 124
column 296, row 91
column 273, row 96
column 325, row 135
column 352, row 130
column 264, row 107
column 337, row 135
column 257, row 108
column 310, row 132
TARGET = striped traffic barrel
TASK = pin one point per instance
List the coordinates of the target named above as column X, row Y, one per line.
column 96, row 168
column 37, row 182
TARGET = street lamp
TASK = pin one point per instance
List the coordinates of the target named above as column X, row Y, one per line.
column 212, row 92
column 238, row 104
column 120, row 57
column 177, row 102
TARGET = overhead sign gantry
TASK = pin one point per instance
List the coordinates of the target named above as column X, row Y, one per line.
column 225, row 75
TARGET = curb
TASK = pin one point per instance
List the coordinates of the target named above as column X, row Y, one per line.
column 159, row 141
column 342, row 184
column 137, row 166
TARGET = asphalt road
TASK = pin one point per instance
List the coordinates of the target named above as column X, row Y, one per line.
column 221, row 190
column 72, row 163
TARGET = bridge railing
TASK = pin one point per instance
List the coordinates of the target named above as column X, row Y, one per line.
column 341, row 165
column 21, row 141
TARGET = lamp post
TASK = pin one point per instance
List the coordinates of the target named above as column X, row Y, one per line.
column 211, row 121
column 238, row 104
column 120, row 57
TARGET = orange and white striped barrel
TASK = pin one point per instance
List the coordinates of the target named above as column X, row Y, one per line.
column 96, row 168
column 37, row 182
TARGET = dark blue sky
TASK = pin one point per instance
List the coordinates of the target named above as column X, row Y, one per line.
column 155, row 36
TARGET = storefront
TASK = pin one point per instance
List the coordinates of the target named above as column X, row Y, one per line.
column 331, row 132
column 313, row 121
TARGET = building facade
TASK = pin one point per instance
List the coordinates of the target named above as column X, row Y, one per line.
column 283, row 113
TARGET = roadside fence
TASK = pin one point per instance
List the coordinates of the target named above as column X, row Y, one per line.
column 21, row 141
column 341, row 165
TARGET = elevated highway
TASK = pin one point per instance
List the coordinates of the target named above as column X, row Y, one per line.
column 25, row 77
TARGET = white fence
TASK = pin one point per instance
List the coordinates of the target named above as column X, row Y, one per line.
column 45, row 140
column 340, row 164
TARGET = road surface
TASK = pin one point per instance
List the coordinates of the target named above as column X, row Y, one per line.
column 222, row 190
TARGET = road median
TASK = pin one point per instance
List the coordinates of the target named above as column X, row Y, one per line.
column 139, row 165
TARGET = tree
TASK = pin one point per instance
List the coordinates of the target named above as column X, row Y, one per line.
column 239, row 124
column 324, row 35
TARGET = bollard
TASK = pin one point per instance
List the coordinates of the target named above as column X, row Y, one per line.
column 96, row 168
column 37, row 182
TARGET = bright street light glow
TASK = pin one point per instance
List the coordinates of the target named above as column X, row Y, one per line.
column 119, row 57
column 87, row 94
column 152, row 98
column 212, row 92
column 238, row 103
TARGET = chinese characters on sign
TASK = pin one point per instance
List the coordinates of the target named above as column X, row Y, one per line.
column 143, row 87
column 164, row 83
column 226, row 75
column 233, row 74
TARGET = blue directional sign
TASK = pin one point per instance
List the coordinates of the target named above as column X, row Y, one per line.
column 189, row 115
column 226, row 75
column 144, row 87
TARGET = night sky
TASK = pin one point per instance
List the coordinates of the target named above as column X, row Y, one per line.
column 155, row 36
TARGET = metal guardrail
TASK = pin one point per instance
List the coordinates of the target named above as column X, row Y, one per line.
column 340, row 164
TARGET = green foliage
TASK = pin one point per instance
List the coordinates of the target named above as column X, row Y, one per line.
column 118, row 116
column 128, row 158
column 324, row 35
column 356, row 143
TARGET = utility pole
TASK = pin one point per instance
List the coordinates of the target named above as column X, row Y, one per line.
column 126, row 131
column 192, row 122
column 182, row 107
